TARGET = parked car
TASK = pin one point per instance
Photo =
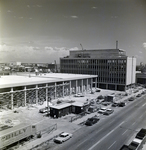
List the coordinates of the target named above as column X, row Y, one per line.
column 64, row 136
column 139, row 95
column 108, row 112
column 91, row 121
column 79, row 95
column 122, row 104
column 106, row 103
column 131, row 99
column 43, row 110
column 102, row 110
column 115, row 104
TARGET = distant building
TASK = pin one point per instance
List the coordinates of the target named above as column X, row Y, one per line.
column 115, row 70
column 141, row 78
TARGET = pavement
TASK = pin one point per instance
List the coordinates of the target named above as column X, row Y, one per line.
column 51, row 135
column 63, row 123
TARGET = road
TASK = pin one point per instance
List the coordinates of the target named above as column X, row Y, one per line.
column 111, row 132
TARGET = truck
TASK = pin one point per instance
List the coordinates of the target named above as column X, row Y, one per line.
column 13, row 134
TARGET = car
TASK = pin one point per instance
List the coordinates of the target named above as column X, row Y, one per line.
column 64, row 136
column 115, row 104
column 139, row 95
column 108, row 112
column 131, row 99
column 102, row 110
column 43, row 110
column 106, row 103
column 122, row 104
column 91, row 121
column 79, row 95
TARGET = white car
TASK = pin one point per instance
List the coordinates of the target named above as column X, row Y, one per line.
column 64, row 136
column 102, row 110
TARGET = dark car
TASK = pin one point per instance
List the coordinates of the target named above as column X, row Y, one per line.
column 139, row 95
column 91, row 121
column 108, row 112
column 122, row 104
column 115, row 104
column 106, row 103
column 131, row 99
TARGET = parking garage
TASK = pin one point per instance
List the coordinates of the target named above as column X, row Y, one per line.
column 27, row 89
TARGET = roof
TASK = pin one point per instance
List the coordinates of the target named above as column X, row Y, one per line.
column 60, row 106
column 22, row 79
column 137, row 140
column 78, row 104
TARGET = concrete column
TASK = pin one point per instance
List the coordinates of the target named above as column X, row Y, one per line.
column 96, row 82
column 70, row 87
column 55, row 89
column 106, row 86
column 37, row 94
column 82, row 85
column 91, row 83
column 47, row 95
column 116, row 87
column 63, row 89
column 76, row 86
column 87, row 84
column 25, row 96
column 12, row 102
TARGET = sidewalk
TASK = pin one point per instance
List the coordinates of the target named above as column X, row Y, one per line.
column 38, row 141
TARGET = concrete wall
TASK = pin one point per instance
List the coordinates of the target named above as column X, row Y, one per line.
column 130, row 70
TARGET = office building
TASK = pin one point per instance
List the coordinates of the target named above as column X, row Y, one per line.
column 115, row 70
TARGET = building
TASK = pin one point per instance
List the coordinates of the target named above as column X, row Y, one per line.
column 115, row 70
column 141, row 78
column 24, row 89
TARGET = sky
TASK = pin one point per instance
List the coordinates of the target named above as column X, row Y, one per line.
column 42, row 31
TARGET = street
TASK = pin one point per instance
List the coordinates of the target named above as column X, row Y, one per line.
column 111, row 132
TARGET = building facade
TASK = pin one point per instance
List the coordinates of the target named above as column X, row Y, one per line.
column 115, row 70
column 23, row 90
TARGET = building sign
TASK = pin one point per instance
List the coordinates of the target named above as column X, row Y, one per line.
column 14, row 134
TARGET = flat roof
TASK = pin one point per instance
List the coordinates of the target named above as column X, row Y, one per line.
column 60, row 106
column 79, row 104
column 31, row 79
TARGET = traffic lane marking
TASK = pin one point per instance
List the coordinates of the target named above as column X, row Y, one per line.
column 124, row 132
column 112, row 145
column 105, row 136
column 87, row 139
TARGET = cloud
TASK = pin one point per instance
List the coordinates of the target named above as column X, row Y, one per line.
column 140, row 52
column 144, row 45
column 74, row 48
column 31, row 53
column 36, row 48
column 94, row 7
column 48, row 48
column 61, row 48
column 74, row 17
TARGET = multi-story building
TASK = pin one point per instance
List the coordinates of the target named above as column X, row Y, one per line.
column 115, row 70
